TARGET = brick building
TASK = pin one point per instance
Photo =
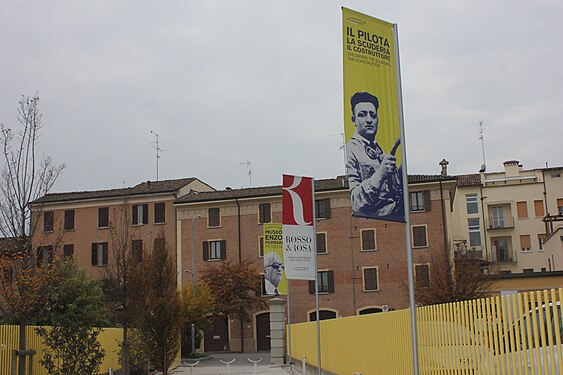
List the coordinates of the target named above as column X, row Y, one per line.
column 78, row 223
column 361, row 263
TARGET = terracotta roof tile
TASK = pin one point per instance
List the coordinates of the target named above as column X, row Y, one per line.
column 148, row 187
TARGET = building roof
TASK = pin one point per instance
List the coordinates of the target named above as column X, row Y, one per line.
column 148, row 187
column 469, row 179
column 331, row 184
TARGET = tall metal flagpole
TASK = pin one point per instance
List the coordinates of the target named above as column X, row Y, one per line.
column 314, row 244
column 289, row 354
column 405, row 208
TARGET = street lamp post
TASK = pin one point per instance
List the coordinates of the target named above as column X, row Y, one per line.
column 193, row 277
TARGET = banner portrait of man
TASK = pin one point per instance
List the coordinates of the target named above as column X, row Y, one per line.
column 371, row 118
column 274, row 276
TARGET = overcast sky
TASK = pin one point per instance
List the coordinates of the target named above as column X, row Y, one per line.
column 225, row 82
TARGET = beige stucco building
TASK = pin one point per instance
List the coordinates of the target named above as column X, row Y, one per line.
column 500, row 217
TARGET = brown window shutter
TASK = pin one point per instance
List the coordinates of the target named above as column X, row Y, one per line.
column 330, row 281
column 145, row 213
column 94, row 254
column 105, row 253
column 427, row 201
column 205, row 250
column 327, row 208
column 223, row 249
column 135, row 215
column 311, row 287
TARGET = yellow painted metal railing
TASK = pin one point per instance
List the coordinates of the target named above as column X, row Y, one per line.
column 514, row 334
column 9, row 336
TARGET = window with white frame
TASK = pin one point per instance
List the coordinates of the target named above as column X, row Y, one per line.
column 325, row 279
column 213, row 218
column 214, row 250
column 368, row 240
column 422, row 275
column 419, row 238
column 474, row 231
column 370, row 279
column 417, row 201
column 525, row 243
column 472, row 203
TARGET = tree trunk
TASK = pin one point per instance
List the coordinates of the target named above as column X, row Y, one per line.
column 125, row 356
column 22, row 344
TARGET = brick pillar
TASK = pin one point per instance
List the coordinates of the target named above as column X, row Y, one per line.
column 277, row 330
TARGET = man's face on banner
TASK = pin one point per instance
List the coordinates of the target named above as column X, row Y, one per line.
column 274, row 268
column 365, row 119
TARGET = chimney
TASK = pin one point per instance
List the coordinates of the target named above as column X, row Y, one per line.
column 444, row 167
column 511, row 168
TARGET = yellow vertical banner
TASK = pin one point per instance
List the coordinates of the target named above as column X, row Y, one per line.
column 371, row 117
column 274, row 266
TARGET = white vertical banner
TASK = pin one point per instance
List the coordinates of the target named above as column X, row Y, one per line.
column 298, row 219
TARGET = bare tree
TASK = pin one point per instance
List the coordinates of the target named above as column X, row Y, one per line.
column 465, row 282
column 122, row 286
column 24, row 178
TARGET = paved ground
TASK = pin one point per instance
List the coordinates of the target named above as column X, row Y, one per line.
column 241, row 365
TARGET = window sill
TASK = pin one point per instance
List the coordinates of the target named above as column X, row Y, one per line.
column 370, row 291
column 325, row 253
column 213, row 227
column 214, row 260
column 137, row 225
column 163, row 223
column 69, row 230
column 102, row 227
column 368, row 250
column 420, row 247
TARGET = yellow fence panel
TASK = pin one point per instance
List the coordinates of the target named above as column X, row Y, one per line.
column 513, row 334
column 9, row 337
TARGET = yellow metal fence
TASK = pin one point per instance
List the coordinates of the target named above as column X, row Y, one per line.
column 9, row 336
column 514, row 334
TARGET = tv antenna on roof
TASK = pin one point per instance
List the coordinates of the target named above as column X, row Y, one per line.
column 158, row 149
column 482, row 138
column 249, row 165
column 342, row 147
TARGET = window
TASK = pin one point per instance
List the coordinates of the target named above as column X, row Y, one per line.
column 325, row 280
column 538, row 208
column 159, row 213
column 44, row 255
column 541, row 240
column 422, row 275
column 368, row 240
column 140, row 214
column 471, row 203
column 525, row 242
column 261, row 247
column 369, row 276
column 48, row 221
column 100, row 254
column 522, row 209
column 103, row 217
column 528, row 270
column 137, row 250
column 214, row 250
column 68, row 250
column 323, row 315
column 265, row 213
column 322, row 208
column 420, row 201
column 560, row 206
column 321, row 243
column 69, row 220
column 419, row 236
column 474, row 232
column 159, row 244
column 497, row 220
column 213, row 218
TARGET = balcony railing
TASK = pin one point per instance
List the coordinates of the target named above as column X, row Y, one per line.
column 506, row 222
